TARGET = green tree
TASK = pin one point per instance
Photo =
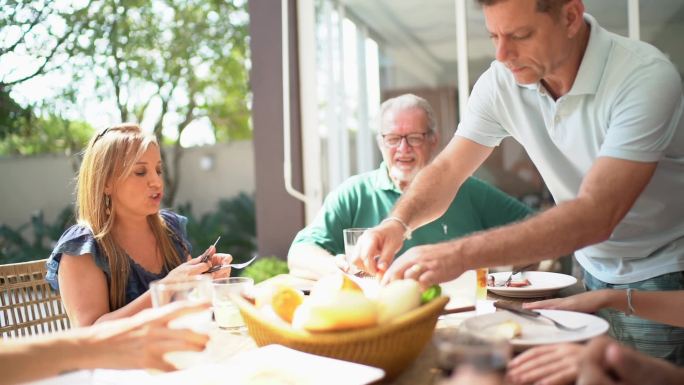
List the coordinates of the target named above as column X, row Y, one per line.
column 35, row 32
column 171, row 63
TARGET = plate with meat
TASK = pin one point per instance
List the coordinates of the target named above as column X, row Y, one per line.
column 528, row 284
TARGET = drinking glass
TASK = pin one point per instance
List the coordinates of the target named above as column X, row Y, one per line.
column 481, row 292
column 351, row 238
column 226, row 313
column 457, row 347
column 193, row 289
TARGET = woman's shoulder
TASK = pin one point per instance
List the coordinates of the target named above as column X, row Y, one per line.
column 74, row 239
column 173, row 219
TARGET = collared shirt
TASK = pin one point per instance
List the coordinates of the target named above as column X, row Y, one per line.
column 626, row 103
column 366, row 199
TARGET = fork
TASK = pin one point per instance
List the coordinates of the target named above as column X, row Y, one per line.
column 231, row 265
column 536, row 314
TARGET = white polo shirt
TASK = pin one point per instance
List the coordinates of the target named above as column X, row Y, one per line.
column 626, row 103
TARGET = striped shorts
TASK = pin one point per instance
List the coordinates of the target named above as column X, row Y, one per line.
column 652, row 338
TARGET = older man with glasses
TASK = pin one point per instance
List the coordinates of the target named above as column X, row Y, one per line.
column 408, row 140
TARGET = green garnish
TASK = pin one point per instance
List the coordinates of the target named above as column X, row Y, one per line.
column 430, row 293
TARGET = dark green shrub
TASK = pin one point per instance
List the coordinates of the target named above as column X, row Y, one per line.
column 35, row 239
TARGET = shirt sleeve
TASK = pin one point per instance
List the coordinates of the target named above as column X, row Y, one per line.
column 646, row 114
column 77, row 240
column 480, row 123
column 335, row 216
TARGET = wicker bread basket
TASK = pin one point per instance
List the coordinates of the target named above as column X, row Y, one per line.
column 391, row 347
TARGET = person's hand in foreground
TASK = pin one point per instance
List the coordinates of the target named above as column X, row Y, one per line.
column 546, row 365
column 606, row 362
column 136, row 342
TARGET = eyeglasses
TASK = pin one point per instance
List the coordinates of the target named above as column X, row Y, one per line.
column 413, row 140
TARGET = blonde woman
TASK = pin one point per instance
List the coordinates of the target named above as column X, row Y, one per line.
column 103, row 265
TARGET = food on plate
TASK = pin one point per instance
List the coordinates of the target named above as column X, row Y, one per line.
column 285, row 301
column 519, row 283
column 397, row 298
column 343, row 310
column 508, row 330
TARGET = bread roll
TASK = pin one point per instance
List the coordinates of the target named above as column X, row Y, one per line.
column 343, row 310
column 397, row 298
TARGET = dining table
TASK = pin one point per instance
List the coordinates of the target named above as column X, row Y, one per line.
column 224, row 346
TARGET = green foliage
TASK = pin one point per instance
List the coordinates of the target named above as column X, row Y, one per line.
column 51, row 134
column 234, row 221
column 35, row 239
column 265, row 268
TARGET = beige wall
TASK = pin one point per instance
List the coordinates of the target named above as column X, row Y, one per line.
column 47, row 182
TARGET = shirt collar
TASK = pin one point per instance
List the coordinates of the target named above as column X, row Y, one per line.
column 594, row 60
column 382, row 179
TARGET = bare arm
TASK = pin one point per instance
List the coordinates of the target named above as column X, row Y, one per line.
column 85, row 292
column 310, row 261
column 435, row 187
column 426, row 199
column 137, row 342
column 608, row 191
column 659, row 306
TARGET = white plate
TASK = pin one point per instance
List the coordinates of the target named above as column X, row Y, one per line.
column 275, row 365
column 542, row 284
column 538, row 331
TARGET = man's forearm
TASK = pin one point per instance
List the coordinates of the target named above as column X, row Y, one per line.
column 558, row 231
column 310, row 261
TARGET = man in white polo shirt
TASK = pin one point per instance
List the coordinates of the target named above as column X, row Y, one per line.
column 600, row 115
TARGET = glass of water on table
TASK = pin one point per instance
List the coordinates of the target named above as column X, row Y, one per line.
column 351, row 238
column 193, row 289
column 226, row 313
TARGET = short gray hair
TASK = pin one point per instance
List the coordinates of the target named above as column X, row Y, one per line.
column 404, row 102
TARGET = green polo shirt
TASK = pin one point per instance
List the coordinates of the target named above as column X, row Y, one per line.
column 366, row 199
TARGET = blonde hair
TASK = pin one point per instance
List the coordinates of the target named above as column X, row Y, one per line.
column 108, row 158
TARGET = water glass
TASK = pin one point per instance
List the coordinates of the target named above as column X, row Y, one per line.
column 226, row 313
column 351, row 238
column 457, row 348
column 193, row 289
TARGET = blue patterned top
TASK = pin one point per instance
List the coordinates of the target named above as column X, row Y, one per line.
column 79, row 240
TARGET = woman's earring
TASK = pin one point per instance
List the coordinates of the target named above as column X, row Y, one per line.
column 108, row 205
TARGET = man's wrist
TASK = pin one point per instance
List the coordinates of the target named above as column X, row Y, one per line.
column 407, row 230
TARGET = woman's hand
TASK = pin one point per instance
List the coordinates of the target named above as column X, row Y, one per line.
column 221, row 259
column 588, row 302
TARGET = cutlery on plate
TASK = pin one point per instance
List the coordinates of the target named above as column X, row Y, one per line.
column 205, row 255
column 535, row 314
column 514, row 272
column 231, row 265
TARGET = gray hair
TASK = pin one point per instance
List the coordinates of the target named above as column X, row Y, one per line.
column 404, row 102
